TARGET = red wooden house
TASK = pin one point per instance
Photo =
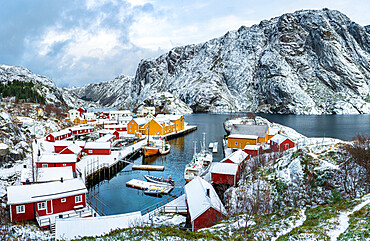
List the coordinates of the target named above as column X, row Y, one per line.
column 204, row 206
column 81, row 130
column 238, row 157
column 225, row 173
column 281, row 143
column 59, row 135
column 72, row 149
column 57, row 160
column 107, row 138
column 98, row 148
column 46, row 199
column 105, row 132
column 81, row 110
column 61, row 145
column 43, row 175
column 253, row 150
column 116, row 127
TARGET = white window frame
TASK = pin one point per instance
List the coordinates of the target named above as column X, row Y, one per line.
column 41, row 206
column 78, row 199
column 44, row 165
column 236, row 143
column 63, row 200
column 90, row 151
column 20, row 209
column 64, row 164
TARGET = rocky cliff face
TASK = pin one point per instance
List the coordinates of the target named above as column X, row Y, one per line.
column 307, row 62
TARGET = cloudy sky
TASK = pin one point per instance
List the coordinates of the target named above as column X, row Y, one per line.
column 76, row 42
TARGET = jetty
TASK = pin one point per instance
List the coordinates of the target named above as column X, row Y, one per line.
column 139, row 184
column 187, row 129
column 148, row 167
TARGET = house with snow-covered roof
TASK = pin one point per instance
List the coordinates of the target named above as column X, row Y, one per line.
column 136, row 124
column 239, row 141
column 238, row 157
column 253, row 150
column 81, row 130
column 114, row 115
column 57, row 160
column 59, row 135
column 43, row 175
column 60, row 145
column 104, row 132
column 72, row 149
column 225, row 173
column 204, row 206
column 45, row 200
column 261, row 131
column 281, row 142
column 97, row 148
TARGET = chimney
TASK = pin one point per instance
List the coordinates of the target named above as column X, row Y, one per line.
column 61, row 179
column 207, row 192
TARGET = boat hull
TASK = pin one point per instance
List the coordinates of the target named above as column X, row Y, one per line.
column 150, row 151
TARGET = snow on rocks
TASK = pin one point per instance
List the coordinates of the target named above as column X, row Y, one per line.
column 292, row 224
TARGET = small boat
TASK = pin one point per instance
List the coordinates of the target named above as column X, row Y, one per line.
column 159, row 180
column 153, row 192
column 165, row 149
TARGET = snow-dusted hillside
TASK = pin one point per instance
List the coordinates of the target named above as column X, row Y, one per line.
column 306, row 62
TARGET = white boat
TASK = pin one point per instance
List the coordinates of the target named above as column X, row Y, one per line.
column 200, row 163
column 215, row 145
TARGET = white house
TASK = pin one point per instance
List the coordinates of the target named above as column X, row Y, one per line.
column 73, row 114
column 114, row 115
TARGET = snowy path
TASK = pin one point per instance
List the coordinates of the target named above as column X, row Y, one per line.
column 298, row 223
column 344, row 218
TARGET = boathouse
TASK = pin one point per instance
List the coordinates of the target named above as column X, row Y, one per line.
column 97, row 148
column 43, row 175
column 204, row 206
column 46, row 199
column 253, row 150
column 238, row 141
column 281, row 143
column 59, row 135
column 238, row 157
column 57, row 160
column 225, row 173
column 81, row 130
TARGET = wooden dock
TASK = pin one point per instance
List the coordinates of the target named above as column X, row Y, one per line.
column 139, row 184
column 148, row 167
column 183, row 132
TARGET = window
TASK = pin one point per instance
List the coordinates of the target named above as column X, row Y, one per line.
column 236, row 143
column 63, row 200
column 20, row 209
column 44, row 165
column 90, row 151
column 78, row 199
column 41, row 206
column 64, row 164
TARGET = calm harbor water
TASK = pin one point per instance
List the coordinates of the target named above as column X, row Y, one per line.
column 118, row 198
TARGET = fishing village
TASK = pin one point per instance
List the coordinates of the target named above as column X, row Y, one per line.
column 55, row 190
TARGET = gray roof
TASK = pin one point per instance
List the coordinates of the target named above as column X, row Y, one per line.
column 257, row 130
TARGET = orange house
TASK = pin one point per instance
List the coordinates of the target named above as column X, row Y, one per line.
column 177, row 120
column 154, row 127
column 135, row 125
column 239, row 141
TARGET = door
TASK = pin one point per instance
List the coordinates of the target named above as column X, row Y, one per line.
column 49, row 206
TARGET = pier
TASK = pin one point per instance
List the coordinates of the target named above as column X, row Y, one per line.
column 148, row 167
column 139, row 184
column 187, row 129
column 94, row 169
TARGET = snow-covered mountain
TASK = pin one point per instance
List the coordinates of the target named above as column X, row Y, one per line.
column 306, row 62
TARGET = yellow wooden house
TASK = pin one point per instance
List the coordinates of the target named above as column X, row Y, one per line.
column 136, row 125
column 239, row 141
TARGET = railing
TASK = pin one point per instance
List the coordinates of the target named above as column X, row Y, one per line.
column 160, row 204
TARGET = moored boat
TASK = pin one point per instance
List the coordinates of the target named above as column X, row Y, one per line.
column 165, row 149
column 200, row 163
column 153, row 192
column 158, row 180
